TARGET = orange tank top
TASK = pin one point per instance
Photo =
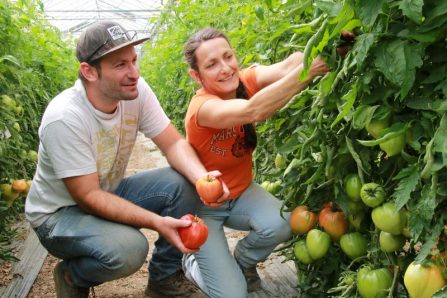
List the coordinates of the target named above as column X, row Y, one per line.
column 223, row 149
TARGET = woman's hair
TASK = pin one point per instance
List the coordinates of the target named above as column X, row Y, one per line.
column 190, row 54
column 196, row 40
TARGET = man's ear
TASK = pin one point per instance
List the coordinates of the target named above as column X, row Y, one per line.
column 195, row 75
column 89, row 72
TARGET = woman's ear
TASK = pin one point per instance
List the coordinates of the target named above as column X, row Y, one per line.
column 195, row 75
column 89, row 72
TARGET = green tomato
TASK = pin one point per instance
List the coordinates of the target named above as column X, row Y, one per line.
column 353, row 184
column 372, row 194
column 356, row 207
column 423, row 281
column 274, row 187
column 389, row 242
column 393, row 146
column 32, row 155
column 318, row 243
column 280, row 162
column 358, row 221
column 387, row 219
column 374, row 283
column 376, row 126
column 302, row 252
column 354, row 244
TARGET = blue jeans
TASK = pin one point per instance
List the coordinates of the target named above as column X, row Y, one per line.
column 96, row 250
column 256, row 211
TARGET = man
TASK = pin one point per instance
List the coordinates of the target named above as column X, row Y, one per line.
column 82, row 208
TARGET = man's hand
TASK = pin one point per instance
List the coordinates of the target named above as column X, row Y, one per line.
column 167, row 227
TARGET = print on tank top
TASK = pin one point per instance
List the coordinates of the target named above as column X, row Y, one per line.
column 238, row 147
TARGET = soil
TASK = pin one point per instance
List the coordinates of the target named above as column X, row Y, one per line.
column 144, row 156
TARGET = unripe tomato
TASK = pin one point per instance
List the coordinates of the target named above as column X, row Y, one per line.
column 274, row 187
column 387, row 219
column 374, row 283
column 280, row 162
column 353, row 184
column 8, row 194
column 302, row 220
column 354, row 244
column 356, row 207
column 394, row 145
column 372, row 194
column 194, row 235
column 376, row 126
column 333, row 221
column 209, row 188
column 423, row 281
column 317, row 243
column 301, row 252
column 389, row 242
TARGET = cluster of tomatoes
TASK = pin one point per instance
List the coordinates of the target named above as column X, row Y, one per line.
column 14, row 190
column 331, row 225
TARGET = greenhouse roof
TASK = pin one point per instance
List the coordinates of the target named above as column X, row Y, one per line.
column 71, row 17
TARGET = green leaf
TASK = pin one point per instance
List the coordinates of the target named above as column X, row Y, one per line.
column 412, row 9
column 439, row 105
column 330, row 7
column 398, row 61
column 347, row 106
column 354, row 154
column 408, row 181
column 393, row 131
column 362, row 46
column 369, row 10
column 362, row 116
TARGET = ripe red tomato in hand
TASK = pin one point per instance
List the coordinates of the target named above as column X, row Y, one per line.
column 196, row 234
column 209, row 188
column 302, row 220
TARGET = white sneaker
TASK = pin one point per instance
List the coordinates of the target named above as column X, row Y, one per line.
column 192, row 271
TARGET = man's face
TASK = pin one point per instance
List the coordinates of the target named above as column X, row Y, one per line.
column 119, row 75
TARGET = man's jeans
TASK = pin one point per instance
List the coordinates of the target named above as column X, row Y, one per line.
column 95, row 250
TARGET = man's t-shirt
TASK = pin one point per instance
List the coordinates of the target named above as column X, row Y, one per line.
column 76, row 139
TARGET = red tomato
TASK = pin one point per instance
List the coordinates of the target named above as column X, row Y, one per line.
column 196, row 234
column 209, row 188
column 333, row 221
column 302, row 220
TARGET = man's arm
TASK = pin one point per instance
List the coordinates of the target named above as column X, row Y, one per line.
column 179, row 153
column 182, row 157
column 86, row 191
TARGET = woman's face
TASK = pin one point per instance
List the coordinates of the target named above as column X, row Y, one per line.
column 218, row 68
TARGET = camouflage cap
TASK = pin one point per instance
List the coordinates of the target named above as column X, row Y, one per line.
column 102, row 38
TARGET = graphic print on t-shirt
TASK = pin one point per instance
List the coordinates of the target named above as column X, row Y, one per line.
column 229, row 141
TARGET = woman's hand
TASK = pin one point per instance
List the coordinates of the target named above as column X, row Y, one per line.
column 318, row 67
column 225, row 192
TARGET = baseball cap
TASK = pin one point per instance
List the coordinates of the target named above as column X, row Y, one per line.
column 102, row 38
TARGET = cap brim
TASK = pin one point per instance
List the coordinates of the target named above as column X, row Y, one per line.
column 130, row 43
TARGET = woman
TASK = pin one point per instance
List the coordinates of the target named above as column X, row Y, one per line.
column 220, row 126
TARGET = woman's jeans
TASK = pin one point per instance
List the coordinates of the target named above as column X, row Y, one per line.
column 95, row 250
column 256, row 211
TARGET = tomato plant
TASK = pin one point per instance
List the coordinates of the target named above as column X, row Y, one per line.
column 280, row 161
column 387, row 219
column 317, row 243
column 353, row 185
column 194, row 235
column 333, row 221
column 209, row 188
column 376, row 126
column 389, row 242
column 301, row 252
column 353, row 244
column 374, row 283
column 422, row 281
column 302, row 220
column 372, row 194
